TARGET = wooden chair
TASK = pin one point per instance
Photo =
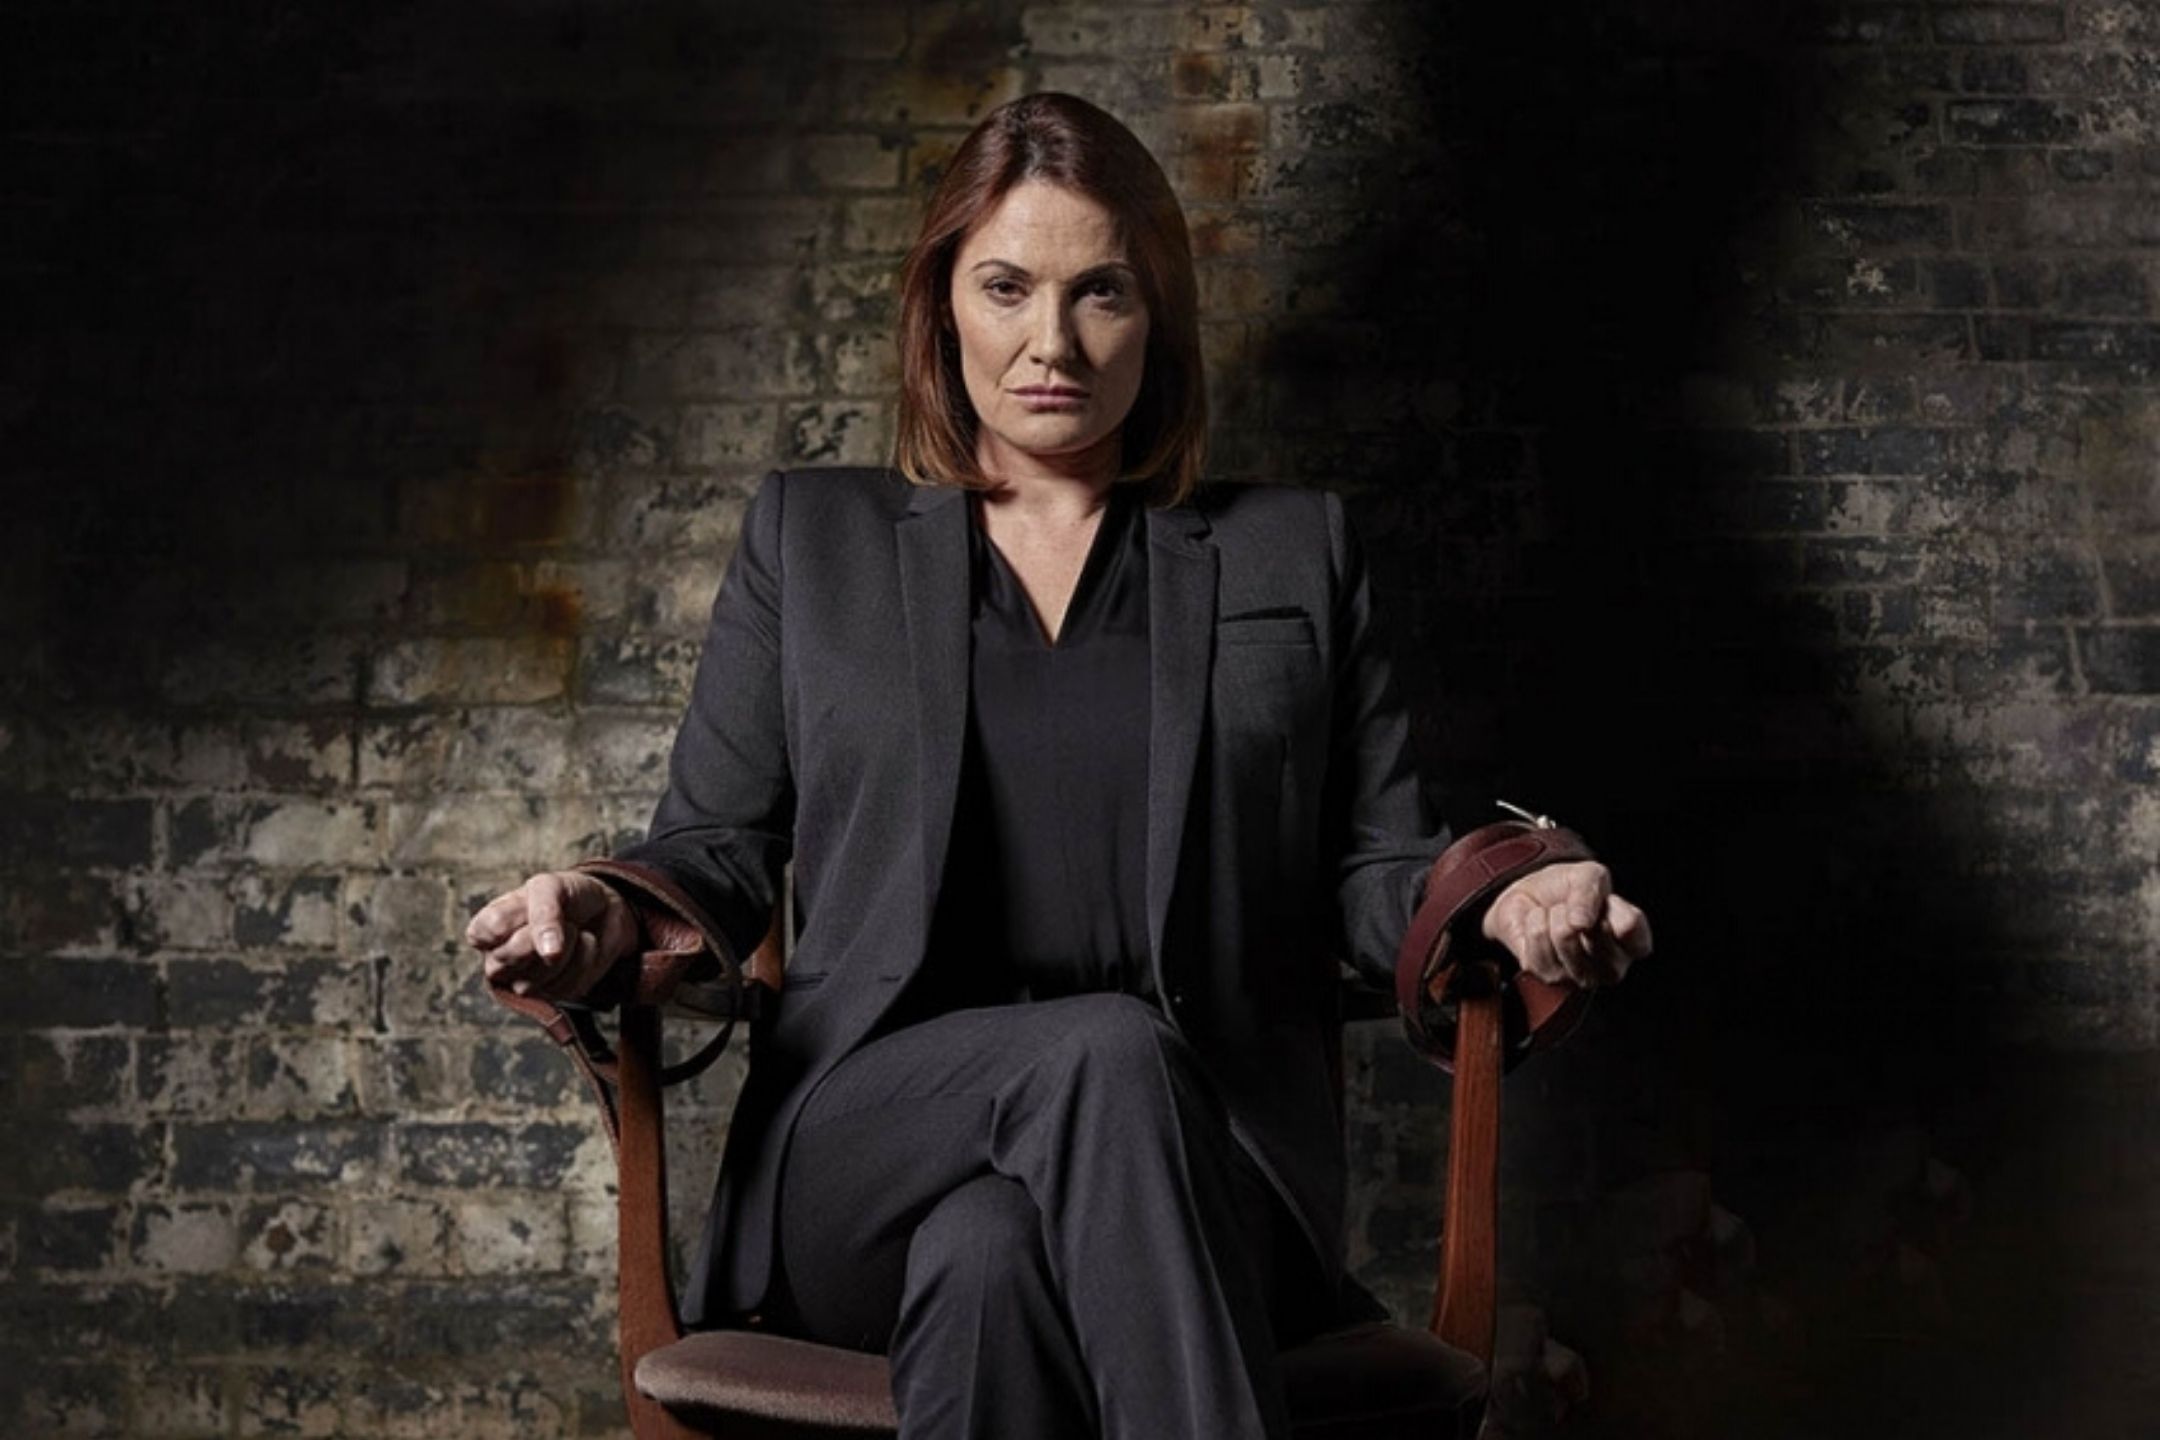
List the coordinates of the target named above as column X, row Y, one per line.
column 1372, row 1381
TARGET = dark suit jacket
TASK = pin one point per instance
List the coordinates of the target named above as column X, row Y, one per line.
column 1286, row 827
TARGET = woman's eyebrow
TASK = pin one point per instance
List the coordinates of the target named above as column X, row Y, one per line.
column 1108, row 267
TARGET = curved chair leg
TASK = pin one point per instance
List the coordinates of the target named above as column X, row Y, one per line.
column 1466, row 1313
column 645, row 1288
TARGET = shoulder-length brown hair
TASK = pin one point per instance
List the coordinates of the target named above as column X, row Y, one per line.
column 1065, row 140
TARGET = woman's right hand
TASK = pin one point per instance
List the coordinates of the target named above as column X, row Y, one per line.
column 554, row 936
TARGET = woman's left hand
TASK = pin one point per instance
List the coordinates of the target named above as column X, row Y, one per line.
column 1564, row 924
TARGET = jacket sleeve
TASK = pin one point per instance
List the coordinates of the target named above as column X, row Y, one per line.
column 725, row 826
column 1378, row 830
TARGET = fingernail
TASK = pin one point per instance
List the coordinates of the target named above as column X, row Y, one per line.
column 548, row 941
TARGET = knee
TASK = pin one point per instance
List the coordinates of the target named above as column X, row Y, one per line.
column 988, row 1232
column 1128, row 1042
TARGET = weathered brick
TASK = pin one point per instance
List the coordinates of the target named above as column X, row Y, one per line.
column 502, row 748
column 61, row 912
column 328, row 991
column 521, row 1072
column 297, row 755
column 849, row 162
column 181, row 1402
column 241, row 1155
column 1872, row 452
column 2104, row 288
column 67, row 1238
column 836, row 433
column 301, row 1076
column 479, row 1153
column 81, row 994
column 52, row 1156
column 496, row 1317
column 62, row 1398
column 697, row 519
column 400, row 1237
column 428, row 992
column 635, row 671
column 1998, row 24
column 483, row 670
column 64, row 830
column 728, row 365
column 302, row 669
column 298, row 910
column 723, row 435
column 2011, row 122
column 1853, row 223
column 509, row 1234
column 186, row 1239
column 397, row 914
column 65, row 1074
column 2121, row 660
column 287, row 1235
column 301, row 1399
column 525, row 832
column 2058, row 582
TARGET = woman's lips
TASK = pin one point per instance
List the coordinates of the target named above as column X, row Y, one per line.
column 1051, row 399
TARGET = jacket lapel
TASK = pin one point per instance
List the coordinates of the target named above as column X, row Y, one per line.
column 1181, row 639
column 933, row 541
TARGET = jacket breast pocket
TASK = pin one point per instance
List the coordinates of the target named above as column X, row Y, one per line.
column 1236, row 631
column 1269, row 680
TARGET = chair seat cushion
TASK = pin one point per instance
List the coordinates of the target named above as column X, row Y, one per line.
column 771, row 1377
column 1368, row 1382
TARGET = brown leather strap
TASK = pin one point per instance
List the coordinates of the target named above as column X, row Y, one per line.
column 679, row 940
column 1429, row 981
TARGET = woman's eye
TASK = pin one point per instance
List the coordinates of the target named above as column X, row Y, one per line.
column 1004, row 289
column 1108, row 290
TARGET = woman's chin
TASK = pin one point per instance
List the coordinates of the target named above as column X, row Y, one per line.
column 1058, row 439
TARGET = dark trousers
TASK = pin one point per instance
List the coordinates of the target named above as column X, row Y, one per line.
column 1039, row 1212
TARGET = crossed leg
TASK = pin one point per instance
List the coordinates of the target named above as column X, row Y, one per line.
column 1039, row 1211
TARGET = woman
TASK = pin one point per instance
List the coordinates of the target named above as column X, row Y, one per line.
column 1086, row 774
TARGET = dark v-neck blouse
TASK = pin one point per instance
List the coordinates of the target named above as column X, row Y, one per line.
column 1045, row 887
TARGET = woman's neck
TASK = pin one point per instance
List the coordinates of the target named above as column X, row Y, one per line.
column 1049, row 490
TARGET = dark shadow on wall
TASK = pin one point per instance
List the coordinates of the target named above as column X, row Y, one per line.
column 1545, row 365
column 296, row 291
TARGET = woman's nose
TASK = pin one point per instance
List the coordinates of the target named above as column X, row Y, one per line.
column 1052, row 343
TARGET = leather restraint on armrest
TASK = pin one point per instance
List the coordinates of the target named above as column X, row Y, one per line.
column 678, row 943
column 1444, row 957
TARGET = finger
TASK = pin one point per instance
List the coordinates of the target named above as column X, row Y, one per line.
column 1589, row 883
column 544, row 912
column 495, row 921
column 573, row 976
column 1567, row 943
column 1630, row 926
column 1534, row 948
column 511, row 959
column 585, row 898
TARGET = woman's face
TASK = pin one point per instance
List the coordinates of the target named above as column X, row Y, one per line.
column 1052, row 329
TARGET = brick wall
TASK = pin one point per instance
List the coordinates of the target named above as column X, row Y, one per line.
column 1752, row 412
